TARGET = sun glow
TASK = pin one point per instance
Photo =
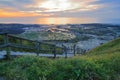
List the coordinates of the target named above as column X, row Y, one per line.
column 64, row 20
column 56, row 5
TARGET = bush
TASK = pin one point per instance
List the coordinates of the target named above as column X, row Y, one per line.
column 78, row 68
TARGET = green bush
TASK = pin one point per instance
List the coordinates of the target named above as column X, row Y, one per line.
column 77, row 68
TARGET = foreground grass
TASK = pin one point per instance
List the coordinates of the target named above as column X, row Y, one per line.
column 102, row 63
column 105, row 67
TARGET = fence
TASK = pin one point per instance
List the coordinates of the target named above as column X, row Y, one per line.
column 13, row 43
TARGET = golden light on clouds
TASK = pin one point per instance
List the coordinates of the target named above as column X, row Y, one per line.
column 66, row 5
column 15, row 14
column 57, row 5
column 50, row 11
column 38, row 8
column 59, row 11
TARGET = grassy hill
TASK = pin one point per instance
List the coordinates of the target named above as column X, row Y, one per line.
column 101, row 63
column 108, row 48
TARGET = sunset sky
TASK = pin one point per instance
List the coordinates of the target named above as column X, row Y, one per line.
column 59, row 11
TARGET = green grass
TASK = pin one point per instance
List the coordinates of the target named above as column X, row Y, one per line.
column 101, row 63
column 108, row 48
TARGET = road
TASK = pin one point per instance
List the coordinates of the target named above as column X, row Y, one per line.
column 2, row 53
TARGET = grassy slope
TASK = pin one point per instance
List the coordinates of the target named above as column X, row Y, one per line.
column 101, row 63
column 108, row 48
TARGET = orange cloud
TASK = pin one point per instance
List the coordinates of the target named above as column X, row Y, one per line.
column 9, row 14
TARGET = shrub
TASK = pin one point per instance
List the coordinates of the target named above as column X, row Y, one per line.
column 78, row 68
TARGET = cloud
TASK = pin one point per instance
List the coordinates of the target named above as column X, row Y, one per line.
column 43, row 8
column 49, row 5
column 9, row 14
column 69, row 5
column 100, row 10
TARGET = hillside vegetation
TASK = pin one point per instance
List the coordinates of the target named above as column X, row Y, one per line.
column 101, row 63
column 108, row 48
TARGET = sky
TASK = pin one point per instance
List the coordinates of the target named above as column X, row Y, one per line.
column 60, row 11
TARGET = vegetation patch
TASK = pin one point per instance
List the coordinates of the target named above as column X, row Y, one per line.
column 102, row 63
column 102, row 67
